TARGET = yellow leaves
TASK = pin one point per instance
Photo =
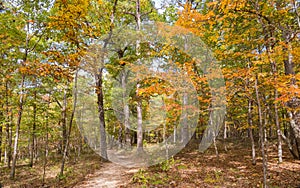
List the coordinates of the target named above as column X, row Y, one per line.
column 69, row 14
column 213, row 38
column 263, row 74
column 204, row 100
column 212, row 4
column 297, row 76
column 144, row 3
column 258, row 62
column 170, row 31
column 280, row 89
column 223, row 5
column 296, row 53
column 23, row 70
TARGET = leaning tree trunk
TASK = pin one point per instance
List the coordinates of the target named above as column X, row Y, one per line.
column 261, row 135
column 99, row 88
column 250, row 123
column 20, row 113
column 279, row 136
column 70, row 127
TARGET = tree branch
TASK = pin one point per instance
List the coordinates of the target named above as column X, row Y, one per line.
column 130, row 13
column 58, row 102
column 147, row 12
column 255, row 13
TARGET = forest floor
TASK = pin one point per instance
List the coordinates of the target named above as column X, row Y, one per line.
column 189, row 168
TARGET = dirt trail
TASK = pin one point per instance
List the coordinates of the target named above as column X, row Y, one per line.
column 110, row 175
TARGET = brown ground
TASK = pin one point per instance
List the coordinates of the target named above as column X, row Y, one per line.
column 110, row 175
column 189, row 169
column 232, row 169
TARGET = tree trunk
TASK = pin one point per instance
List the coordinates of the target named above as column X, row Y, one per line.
column 279, row 136
column 215, row 144
column 64, row 122
column 1, row 132
column 139, row 99
column 225, row 135
column 225, row 131
column 99, row 91
column 120, row 138
column 175, row 134
column 279, row 141
column 185, row 128
column 32, row 146
column 70, row 126
column 9, row 120
column 139, row 127
column 294, row 103
column 295, row 120
column 126, row 110
column 261, row 134
column 46, row 144
column 265, row 114
column 20, row 112
column 250, row 123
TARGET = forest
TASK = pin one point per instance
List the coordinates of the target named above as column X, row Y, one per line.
column 150, row 93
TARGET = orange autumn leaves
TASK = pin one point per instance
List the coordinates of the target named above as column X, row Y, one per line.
column 240, row 35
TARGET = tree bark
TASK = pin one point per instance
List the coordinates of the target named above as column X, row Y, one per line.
column 126, row 110
column 277, row 123
column 185, row 128
column 20, row 112
column 215, row 144
column 261, row 134
column 139, row 99
column 46, row 143
column 294, row 103
column 279, row 141
column 9, row 120
column 70, row 127
column 99, row 89
column 99, row 92
column 64, row 122
column 139, row 127
column 250, row 123
column 225, row 131
column 20, row 109
column 120, row 138
column 1, row 132
column 32, row 147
